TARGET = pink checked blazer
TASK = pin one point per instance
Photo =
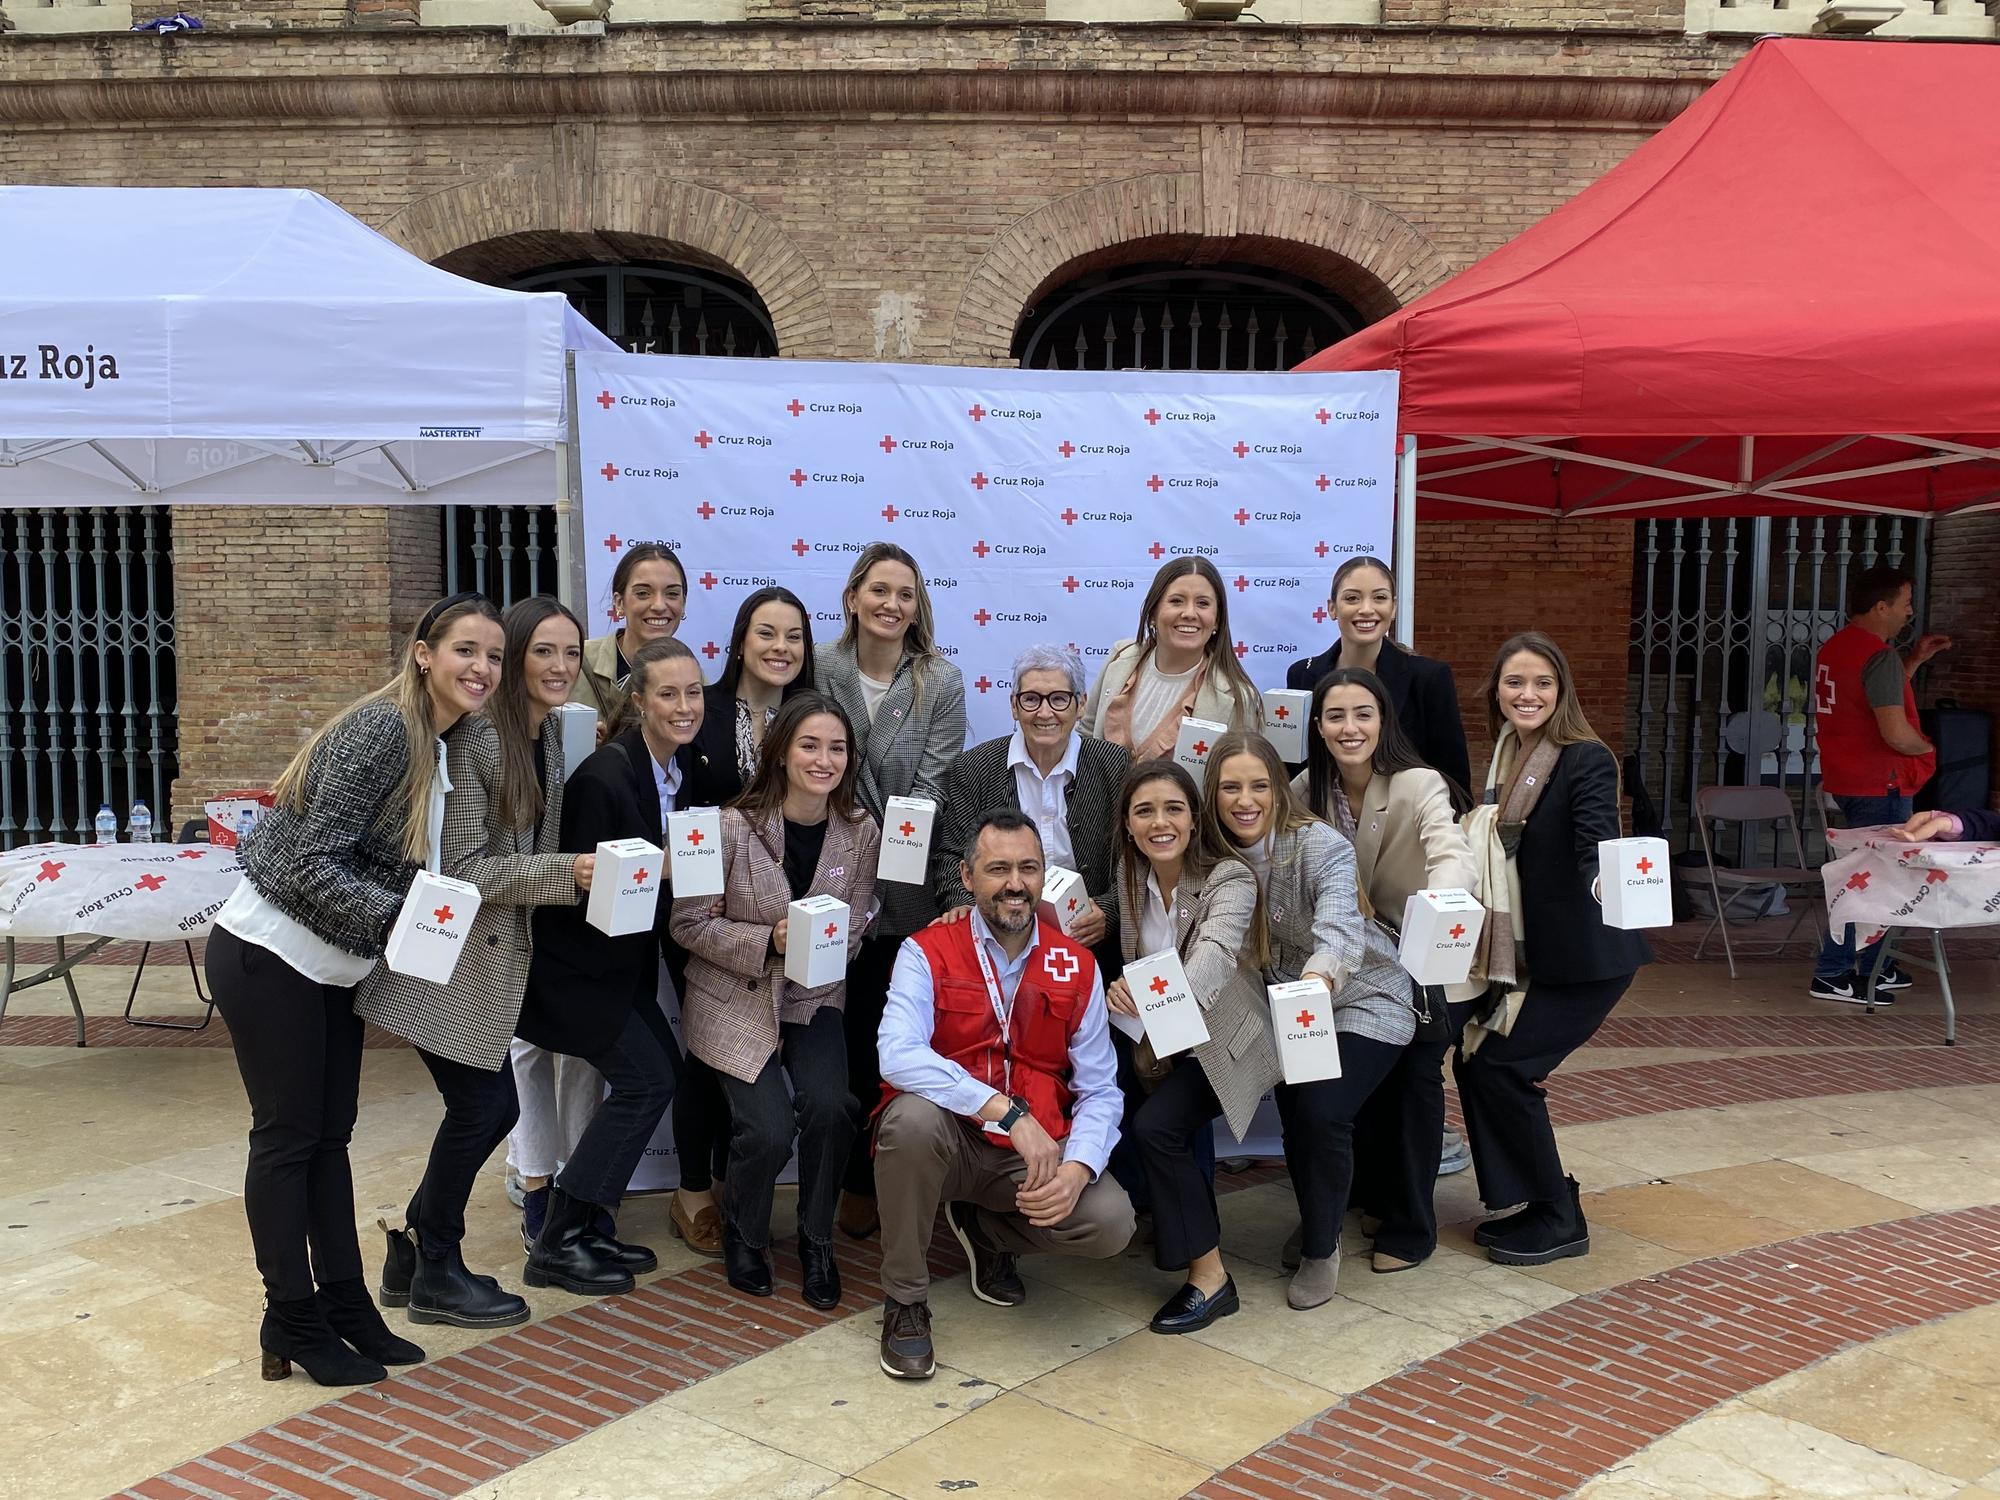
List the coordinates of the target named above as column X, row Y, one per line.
column 737, row 992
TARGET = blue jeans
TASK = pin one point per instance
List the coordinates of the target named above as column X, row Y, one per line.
column 1836, row 952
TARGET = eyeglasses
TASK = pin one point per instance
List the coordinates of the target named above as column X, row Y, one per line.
column 1032, row 702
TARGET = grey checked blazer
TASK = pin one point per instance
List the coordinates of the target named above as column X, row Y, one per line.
column 737, row 992
column 1211, row 927
column 337, row 867
column 472, row 1019
column 1316, row 926
column 980, row 780
column 904, row 753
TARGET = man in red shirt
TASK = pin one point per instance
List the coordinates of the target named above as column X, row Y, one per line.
column 1872, row 757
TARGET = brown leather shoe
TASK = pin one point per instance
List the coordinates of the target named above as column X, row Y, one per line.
column 701, row 1231
column 906, row 1341
column 856, row 1217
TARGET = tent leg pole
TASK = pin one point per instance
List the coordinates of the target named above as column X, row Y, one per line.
column 1406, row 538
column 569, row 501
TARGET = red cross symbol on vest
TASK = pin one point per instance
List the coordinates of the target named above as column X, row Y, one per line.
column 1059, row 964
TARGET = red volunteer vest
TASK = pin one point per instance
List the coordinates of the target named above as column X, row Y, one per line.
column 1033, row 1061
column 1853, row 760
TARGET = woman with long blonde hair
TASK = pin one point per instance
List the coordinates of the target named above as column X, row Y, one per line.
column 356, row 814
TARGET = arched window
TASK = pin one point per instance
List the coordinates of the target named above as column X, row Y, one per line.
column 648, row 307
column 1230, row 316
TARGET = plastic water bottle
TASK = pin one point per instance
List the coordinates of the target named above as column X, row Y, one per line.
column 139, row 826
column 245, row 821
column 106, row 826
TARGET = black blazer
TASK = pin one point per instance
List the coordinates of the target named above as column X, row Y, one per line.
column 582, row 984
column 712, row 778
column 1426, row 702
column 1566, row 939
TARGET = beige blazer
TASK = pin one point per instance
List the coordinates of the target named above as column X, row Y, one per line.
column 1211, row 931
column 597, row 683
column 1406, row 839
column 1214, row 702
column 737, row 992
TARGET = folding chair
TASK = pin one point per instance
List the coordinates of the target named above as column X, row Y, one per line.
column 194, row 831
column 1717, row 805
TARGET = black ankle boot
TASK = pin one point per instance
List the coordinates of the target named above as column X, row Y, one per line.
column 399, row 1264
column 1551, row 1231
column 748, row 1269
column 561, row 1257
column 820, row 1277
column 299, row 1331
column 1488, row 1231
column 602, row 1237
column 444, row 1291
column 350, row 1312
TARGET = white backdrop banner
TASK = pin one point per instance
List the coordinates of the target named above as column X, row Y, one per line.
column 1039, row 503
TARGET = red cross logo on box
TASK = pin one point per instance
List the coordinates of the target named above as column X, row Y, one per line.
column 639, row 876
column 1645, row 866
column 606, row 400
column 907, row 828
column 832, row 928
column 1304, row 1018
column 1281, row 713
column 443, row 914
column 1457, row 930
column 694, row 837
column 1159, row 984
column 1201, row 747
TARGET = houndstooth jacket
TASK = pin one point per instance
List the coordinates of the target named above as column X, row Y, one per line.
column 904, row 753
column 737, row 992
column 336, row 867
column 472, row 1019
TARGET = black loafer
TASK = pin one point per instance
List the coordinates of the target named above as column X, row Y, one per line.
column 1189, row 1311
column 748, row 1269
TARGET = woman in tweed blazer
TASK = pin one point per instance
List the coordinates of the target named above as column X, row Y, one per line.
column 324, row 876
column 502, row 820
column 907, row 706
column 795, row 832
column 1200, row 900
column 1314, row 928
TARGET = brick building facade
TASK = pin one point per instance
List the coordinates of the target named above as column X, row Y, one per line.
column 895, row 179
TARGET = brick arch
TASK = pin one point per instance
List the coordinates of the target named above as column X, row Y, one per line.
column 1352, row 245
column 614, row 210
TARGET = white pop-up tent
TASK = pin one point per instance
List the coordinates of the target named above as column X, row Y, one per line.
column 262, row 346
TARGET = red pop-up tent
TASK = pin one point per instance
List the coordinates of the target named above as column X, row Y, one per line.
column 1785, row 303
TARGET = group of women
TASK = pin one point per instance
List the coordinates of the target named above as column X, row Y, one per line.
column 550, row 1035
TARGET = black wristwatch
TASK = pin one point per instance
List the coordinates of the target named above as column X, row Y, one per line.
column 1013, row 1116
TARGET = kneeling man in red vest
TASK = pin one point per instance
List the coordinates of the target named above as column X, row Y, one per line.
column 1000, row 1096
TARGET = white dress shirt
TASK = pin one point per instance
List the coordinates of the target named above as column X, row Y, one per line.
column 1046, row 798
column 909, row 1063
column 668, row 779
column 1156, row 922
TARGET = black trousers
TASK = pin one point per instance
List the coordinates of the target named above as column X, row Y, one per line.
column 298, row 1047
column 1125, row 1164
column 1399, row 1137
column 820, row 1112
column 1318, row 1121
column 1506, row 1107
column 701, row 1125
column 867, row 992
column 480, row 1108
column 642, row 1068
column 1181, row 1188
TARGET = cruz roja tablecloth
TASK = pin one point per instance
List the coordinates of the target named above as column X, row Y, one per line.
column 1875, row 881
column 149, row 892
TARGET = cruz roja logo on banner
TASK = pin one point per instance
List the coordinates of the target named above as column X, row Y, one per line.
column 1038, row 504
